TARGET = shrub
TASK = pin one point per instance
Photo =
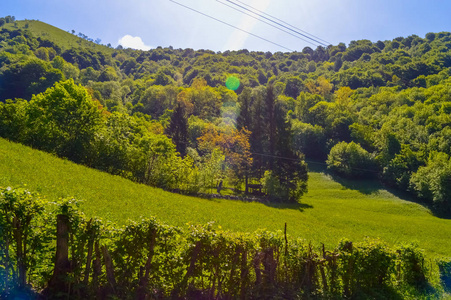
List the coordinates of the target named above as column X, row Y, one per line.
column 351, row 160
column 431, row 182
column 272, row 186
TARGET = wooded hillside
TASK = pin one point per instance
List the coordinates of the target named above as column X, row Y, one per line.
column 165, row 117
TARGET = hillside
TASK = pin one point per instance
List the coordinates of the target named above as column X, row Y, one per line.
column 56, row 35
column 338, row 142
column 327, row 213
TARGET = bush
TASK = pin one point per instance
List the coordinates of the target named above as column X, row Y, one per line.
column 285, row 191
column 148, row 259
column 351, row 160
column 445, row 273
column 272, row 186
column 431, row 182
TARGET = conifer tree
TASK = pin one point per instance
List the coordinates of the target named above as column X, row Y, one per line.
column 178, row 129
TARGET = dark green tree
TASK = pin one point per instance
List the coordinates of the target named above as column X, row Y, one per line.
column 244, row 119
column 293, row 87
column 178, row 129
column 24, row 79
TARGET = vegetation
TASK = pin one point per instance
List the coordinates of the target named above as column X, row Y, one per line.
column 244, row 122
column 148, row 258
column 351, row 160
column 329, row 211
column 388, row 97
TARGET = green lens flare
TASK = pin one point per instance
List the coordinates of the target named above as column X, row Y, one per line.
column 232, row 83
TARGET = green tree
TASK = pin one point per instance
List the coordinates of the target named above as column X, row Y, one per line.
column 244, row 119
column 309, row 139
column 64, row 120
column 24, row 79
column 431, row 182
column 178, row 129
column 399, row 170
column 293, row 87
column 351, row 160
column 13, row 120
column 109, row 74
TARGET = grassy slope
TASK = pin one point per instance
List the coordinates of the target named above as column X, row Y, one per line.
column 329, row 211
column 62, row 38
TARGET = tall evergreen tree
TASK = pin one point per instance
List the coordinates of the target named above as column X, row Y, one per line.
column 258, row 137
column 178, row 129
column 244, row 119
column 270, row 122
column 289, row 167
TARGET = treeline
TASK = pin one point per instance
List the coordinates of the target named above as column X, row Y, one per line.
column 367, row 109
column 66, row 121
column 7, row 19
column 53, row 250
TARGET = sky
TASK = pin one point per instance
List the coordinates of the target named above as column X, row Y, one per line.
column 146, row 24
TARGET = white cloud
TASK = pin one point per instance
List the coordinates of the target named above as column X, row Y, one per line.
column 134, row 42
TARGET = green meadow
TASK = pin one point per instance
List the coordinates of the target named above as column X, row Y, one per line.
column 329, row 211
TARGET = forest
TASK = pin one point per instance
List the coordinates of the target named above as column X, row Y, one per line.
column 165, row 117
column 242, row 123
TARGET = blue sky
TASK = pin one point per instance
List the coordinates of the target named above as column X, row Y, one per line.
column 152, row 23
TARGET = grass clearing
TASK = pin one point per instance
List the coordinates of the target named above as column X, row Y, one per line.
column 329, row 212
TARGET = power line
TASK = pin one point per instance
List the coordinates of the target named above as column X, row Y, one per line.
column 298, row 160
column 275, row 18
column 250, row 33
column 308, row 161
column 278, row 23
column 265, row 22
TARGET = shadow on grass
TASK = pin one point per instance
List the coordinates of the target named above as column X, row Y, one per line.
column 364, row 186
column 253, row 198
column 372, row 186
column 296, row 206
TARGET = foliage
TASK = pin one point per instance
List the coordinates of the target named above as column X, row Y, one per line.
column 309, row 139
column 23, row 239
column 178, row 129
column 399, row 170
column 233, row 144
column 386, row 96
column 22, row 80
column 63, row 120
column 150, row 259
column 351, row 160
column 431, row 181
column 328, row 211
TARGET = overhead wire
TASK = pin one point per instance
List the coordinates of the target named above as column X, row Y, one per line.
column 298, row 160
column 275, row 18
column 233, row 26
column 308, row 161
column 266, row 22
column 278, row 23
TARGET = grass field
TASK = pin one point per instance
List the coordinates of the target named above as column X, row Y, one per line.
column 62, row 38
column 329, row 211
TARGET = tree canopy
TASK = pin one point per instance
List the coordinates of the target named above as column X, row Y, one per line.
column 384, row 105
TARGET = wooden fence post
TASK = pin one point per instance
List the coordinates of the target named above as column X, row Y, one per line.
column 109, row 270
column 60, row 279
